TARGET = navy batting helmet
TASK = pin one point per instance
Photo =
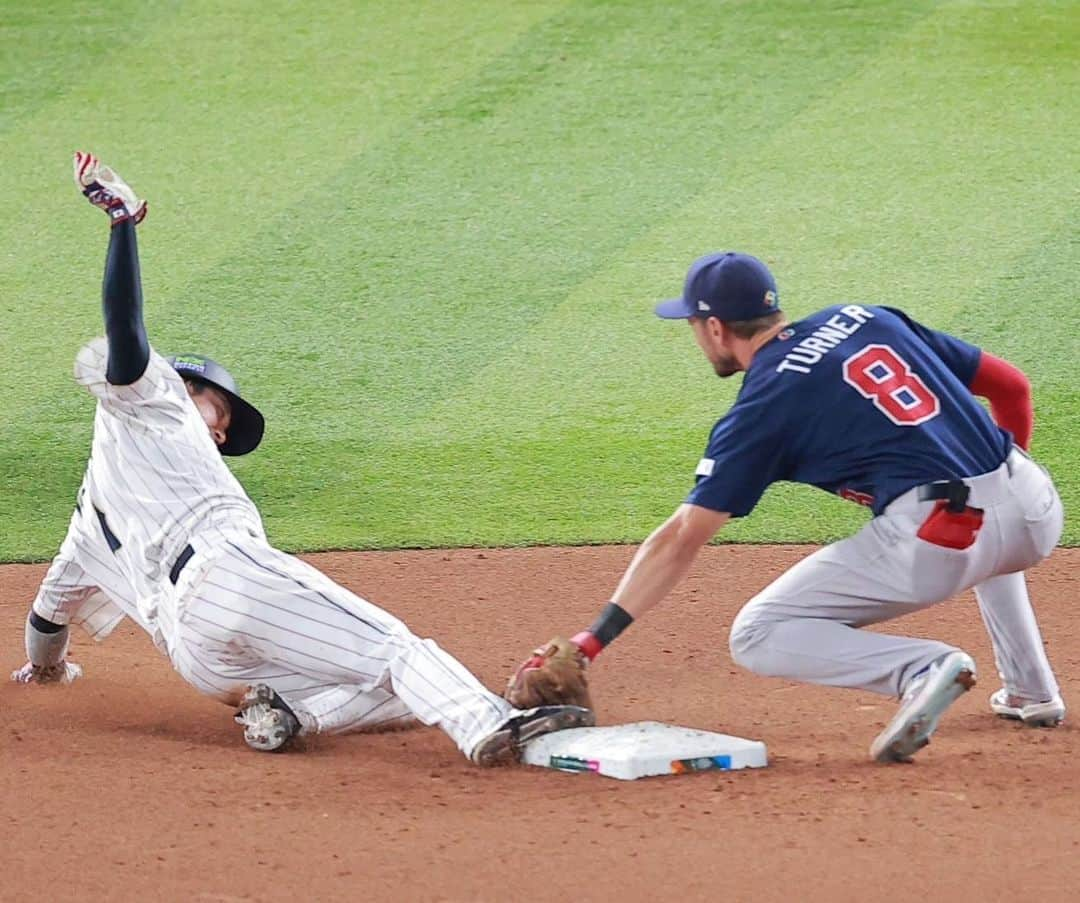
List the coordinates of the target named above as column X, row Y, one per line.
column 246, row 425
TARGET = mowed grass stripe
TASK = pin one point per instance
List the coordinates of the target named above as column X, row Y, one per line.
column 865, row 243
column 353, row 375
column 351, row 460
column 49, row 48
column 1041, row 336
column 518, row 186
column 588, row 364
column 222, row 118
column 461, row 286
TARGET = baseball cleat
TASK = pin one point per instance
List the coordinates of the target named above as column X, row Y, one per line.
column 504, row 744
column 924, row 702
column 1038, row 714
column 105, row 189
column 64, row 672
column 269, row 724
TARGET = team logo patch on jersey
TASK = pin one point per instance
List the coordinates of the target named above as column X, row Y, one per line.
column 705, row 467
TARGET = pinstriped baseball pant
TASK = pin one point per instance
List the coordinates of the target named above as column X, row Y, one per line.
column 252, row 614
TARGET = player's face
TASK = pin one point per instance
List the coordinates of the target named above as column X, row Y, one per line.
column 711, row 341
column 214, row 407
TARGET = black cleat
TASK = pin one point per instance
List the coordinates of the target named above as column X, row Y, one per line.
column 505, row 742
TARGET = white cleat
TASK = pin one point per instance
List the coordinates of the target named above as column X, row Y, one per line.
column 63, row 673
column 269, row 724
column 105, row 189
column 924, row 702
column 1049, row 713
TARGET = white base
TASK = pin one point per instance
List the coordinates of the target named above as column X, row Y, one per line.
column 642, row 749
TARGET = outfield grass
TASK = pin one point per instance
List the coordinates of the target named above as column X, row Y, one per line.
column 427, row 237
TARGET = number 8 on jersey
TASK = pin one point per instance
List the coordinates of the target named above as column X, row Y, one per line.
column 877, row 372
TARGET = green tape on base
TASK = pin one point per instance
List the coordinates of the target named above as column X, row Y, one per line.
column 572, row 763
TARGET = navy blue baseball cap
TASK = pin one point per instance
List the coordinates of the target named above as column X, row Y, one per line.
column 246, row 424
column 728, row 285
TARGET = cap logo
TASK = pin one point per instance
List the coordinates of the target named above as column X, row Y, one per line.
column 701, row 305
column 189, row 363
column 770, row 298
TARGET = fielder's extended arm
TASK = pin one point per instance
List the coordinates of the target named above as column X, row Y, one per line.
column 660, row 563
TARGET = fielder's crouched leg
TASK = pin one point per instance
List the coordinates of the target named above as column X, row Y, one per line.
column 768, row 639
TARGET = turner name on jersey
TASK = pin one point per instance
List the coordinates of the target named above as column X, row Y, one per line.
column 849, row 399
column 831, row 333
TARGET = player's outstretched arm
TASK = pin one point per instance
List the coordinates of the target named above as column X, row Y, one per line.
column 129, row 348
column 46, row 649
column 658, row 566
column 121, row 301
column 1009, row 393
column 555, row 673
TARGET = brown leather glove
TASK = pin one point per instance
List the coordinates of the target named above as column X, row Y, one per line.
column 553, row 675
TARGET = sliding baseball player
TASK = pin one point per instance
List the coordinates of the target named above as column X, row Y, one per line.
column 164, row 534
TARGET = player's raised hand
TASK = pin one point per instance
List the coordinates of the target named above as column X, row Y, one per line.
column 64, row 672
column 105, row 189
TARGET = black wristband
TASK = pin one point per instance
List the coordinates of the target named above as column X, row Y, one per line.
column 42, row 626
column 613, row 620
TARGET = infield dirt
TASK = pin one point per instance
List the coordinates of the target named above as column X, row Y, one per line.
column 130, row 786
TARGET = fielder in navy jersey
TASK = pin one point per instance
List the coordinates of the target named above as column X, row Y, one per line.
column 164, row 534
column 864, row 402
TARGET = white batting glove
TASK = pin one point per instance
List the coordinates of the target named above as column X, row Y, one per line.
column 105, row 189
column 64, row 672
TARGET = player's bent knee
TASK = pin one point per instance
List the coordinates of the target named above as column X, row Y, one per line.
column 747, row 641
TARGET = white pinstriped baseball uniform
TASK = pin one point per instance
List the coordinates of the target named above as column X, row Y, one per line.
column 240, row 612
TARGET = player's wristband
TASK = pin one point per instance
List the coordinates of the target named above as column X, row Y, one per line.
column 613, row 620
column 46, row 643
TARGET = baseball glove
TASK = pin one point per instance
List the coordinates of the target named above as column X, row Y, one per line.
column 553, row 675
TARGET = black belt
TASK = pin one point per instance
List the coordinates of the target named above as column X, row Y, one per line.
column 110, row 537
column 955, row 492
column 183, row 558
column 114, row 544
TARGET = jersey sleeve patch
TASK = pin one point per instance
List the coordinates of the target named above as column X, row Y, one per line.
column 745, row 452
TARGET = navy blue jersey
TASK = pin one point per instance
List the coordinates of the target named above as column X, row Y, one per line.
column 857, row 400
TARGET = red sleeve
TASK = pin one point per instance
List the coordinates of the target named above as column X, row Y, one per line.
column 1009, row 394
